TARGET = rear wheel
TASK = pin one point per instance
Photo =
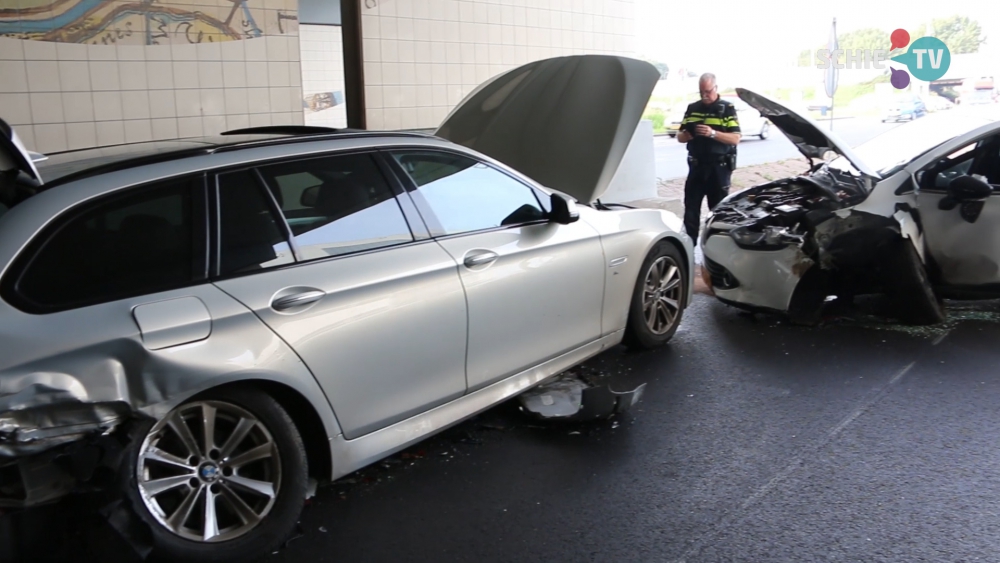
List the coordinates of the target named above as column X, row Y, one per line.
column 765, row 131
column 658, row 298
column 221, row 478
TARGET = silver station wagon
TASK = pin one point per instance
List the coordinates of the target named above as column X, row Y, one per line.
column 220, row 322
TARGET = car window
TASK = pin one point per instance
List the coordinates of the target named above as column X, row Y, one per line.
column 337, row 205
column 978, row 158
column 139, row 243
column 944, row 177
column 250, row 236
column 462, row 194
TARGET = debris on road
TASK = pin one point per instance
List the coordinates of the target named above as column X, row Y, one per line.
column 574, row 397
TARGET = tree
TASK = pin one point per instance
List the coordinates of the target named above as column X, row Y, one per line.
column 960, row 33
column 807, row 57
column 869, row 38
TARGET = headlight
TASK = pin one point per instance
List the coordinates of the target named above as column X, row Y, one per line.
column 771, row 238
column 745, row 237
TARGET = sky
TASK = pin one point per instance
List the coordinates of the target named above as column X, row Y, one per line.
column 736, row 39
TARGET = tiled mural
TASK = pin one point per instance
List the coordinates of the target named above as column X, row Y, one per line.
column 84, row 73
column 107, row 22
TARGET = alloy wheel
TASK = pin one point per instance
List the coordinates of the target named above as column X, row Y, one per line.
column 661, row 295
column 209, row 472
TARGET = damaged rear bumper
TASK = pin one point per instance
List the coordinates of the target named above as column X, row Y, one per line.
column 38, row 426
column 36, row 430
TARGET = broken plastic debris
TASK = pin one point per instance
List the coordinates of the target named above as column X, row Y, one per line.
column 571, row 398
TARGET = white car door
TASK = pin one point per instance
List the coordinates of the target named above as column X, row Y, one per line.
column 962, row 229
column 534, row 288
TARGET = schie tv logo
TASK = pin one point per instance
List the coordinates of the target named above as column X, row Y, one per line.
column 928, row 58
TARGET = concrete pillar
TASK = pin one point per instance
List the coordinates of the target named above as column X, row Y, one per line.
column 636, row 176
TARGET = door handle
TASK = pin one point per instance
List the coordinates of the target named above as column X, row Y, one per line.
column 297, row 300
column 480, row 259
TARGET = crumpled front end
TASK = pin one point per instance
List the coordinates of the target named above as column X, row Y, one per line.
column 788, row 246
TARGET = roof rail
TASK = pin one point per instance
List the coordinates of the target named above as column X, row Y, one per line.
column 287, row 130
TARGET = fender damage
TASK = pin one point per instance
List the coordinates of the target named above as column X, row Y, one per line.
column 823, row 246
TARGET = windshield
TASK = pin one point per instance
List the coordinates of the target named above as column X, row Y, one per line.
column 891, row 150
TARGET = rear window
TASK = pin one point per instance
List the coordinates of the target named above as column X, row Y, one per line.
column 141, row 242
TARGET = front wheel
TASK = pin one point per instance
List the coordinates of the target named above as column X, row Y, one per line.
column 658, row 298
column 764, row 132
column 220, row 478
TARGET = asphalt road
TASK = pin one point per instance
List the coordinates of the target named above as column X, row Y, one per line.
column 755, row 441
column 671, row 156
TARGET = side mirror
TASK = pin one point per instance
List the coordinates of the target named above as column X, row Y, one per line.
column 969, row 188
column 970, row 192
column 309, row 197
column 564, row 210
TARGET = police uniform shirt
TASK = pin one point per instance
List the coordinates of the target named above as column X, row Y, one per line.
column 719, row 115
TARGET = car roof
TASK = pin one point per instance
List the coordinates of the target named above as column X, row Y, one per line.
column 62, row 167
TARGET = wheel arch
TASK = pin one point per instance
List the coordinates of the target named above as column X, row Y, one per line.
column 307, row 421
column 686, row 255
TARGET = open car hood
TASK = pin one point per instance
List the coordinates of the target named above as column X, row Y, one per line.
column 565, row 121
column 811, row 140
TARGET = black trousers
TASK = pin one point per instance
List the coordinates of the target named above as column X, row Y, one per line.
column 705, row 180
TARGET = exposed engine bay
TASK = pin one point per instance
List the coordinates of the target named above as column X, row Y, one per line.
column 787, row 211
column 831, row 249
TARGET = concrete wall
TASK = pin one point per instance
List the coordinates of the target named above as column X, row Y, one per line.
column 323, row 75
column 636, row 176
column 423, row 56
column 84, row 73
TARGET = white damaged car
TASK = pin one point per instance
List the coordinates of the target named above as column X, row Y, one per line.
column 913, row 213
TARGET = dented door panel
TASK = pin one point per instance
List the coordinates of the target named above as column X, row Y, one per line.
column 74, row 372
column 968, row 254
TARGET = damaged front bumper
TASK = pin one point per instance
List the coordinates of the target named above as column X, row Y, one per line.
column 40, row 424
column 765, row 278
column 788, row 246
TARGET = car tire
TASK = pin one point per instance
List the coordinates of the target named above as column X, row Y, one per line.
column 661, row 289
column 265, row 472
column 764, row 132
column 913, row 296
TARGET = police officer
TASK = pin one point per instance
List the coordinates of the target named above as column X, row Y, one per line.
column 711, row 132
